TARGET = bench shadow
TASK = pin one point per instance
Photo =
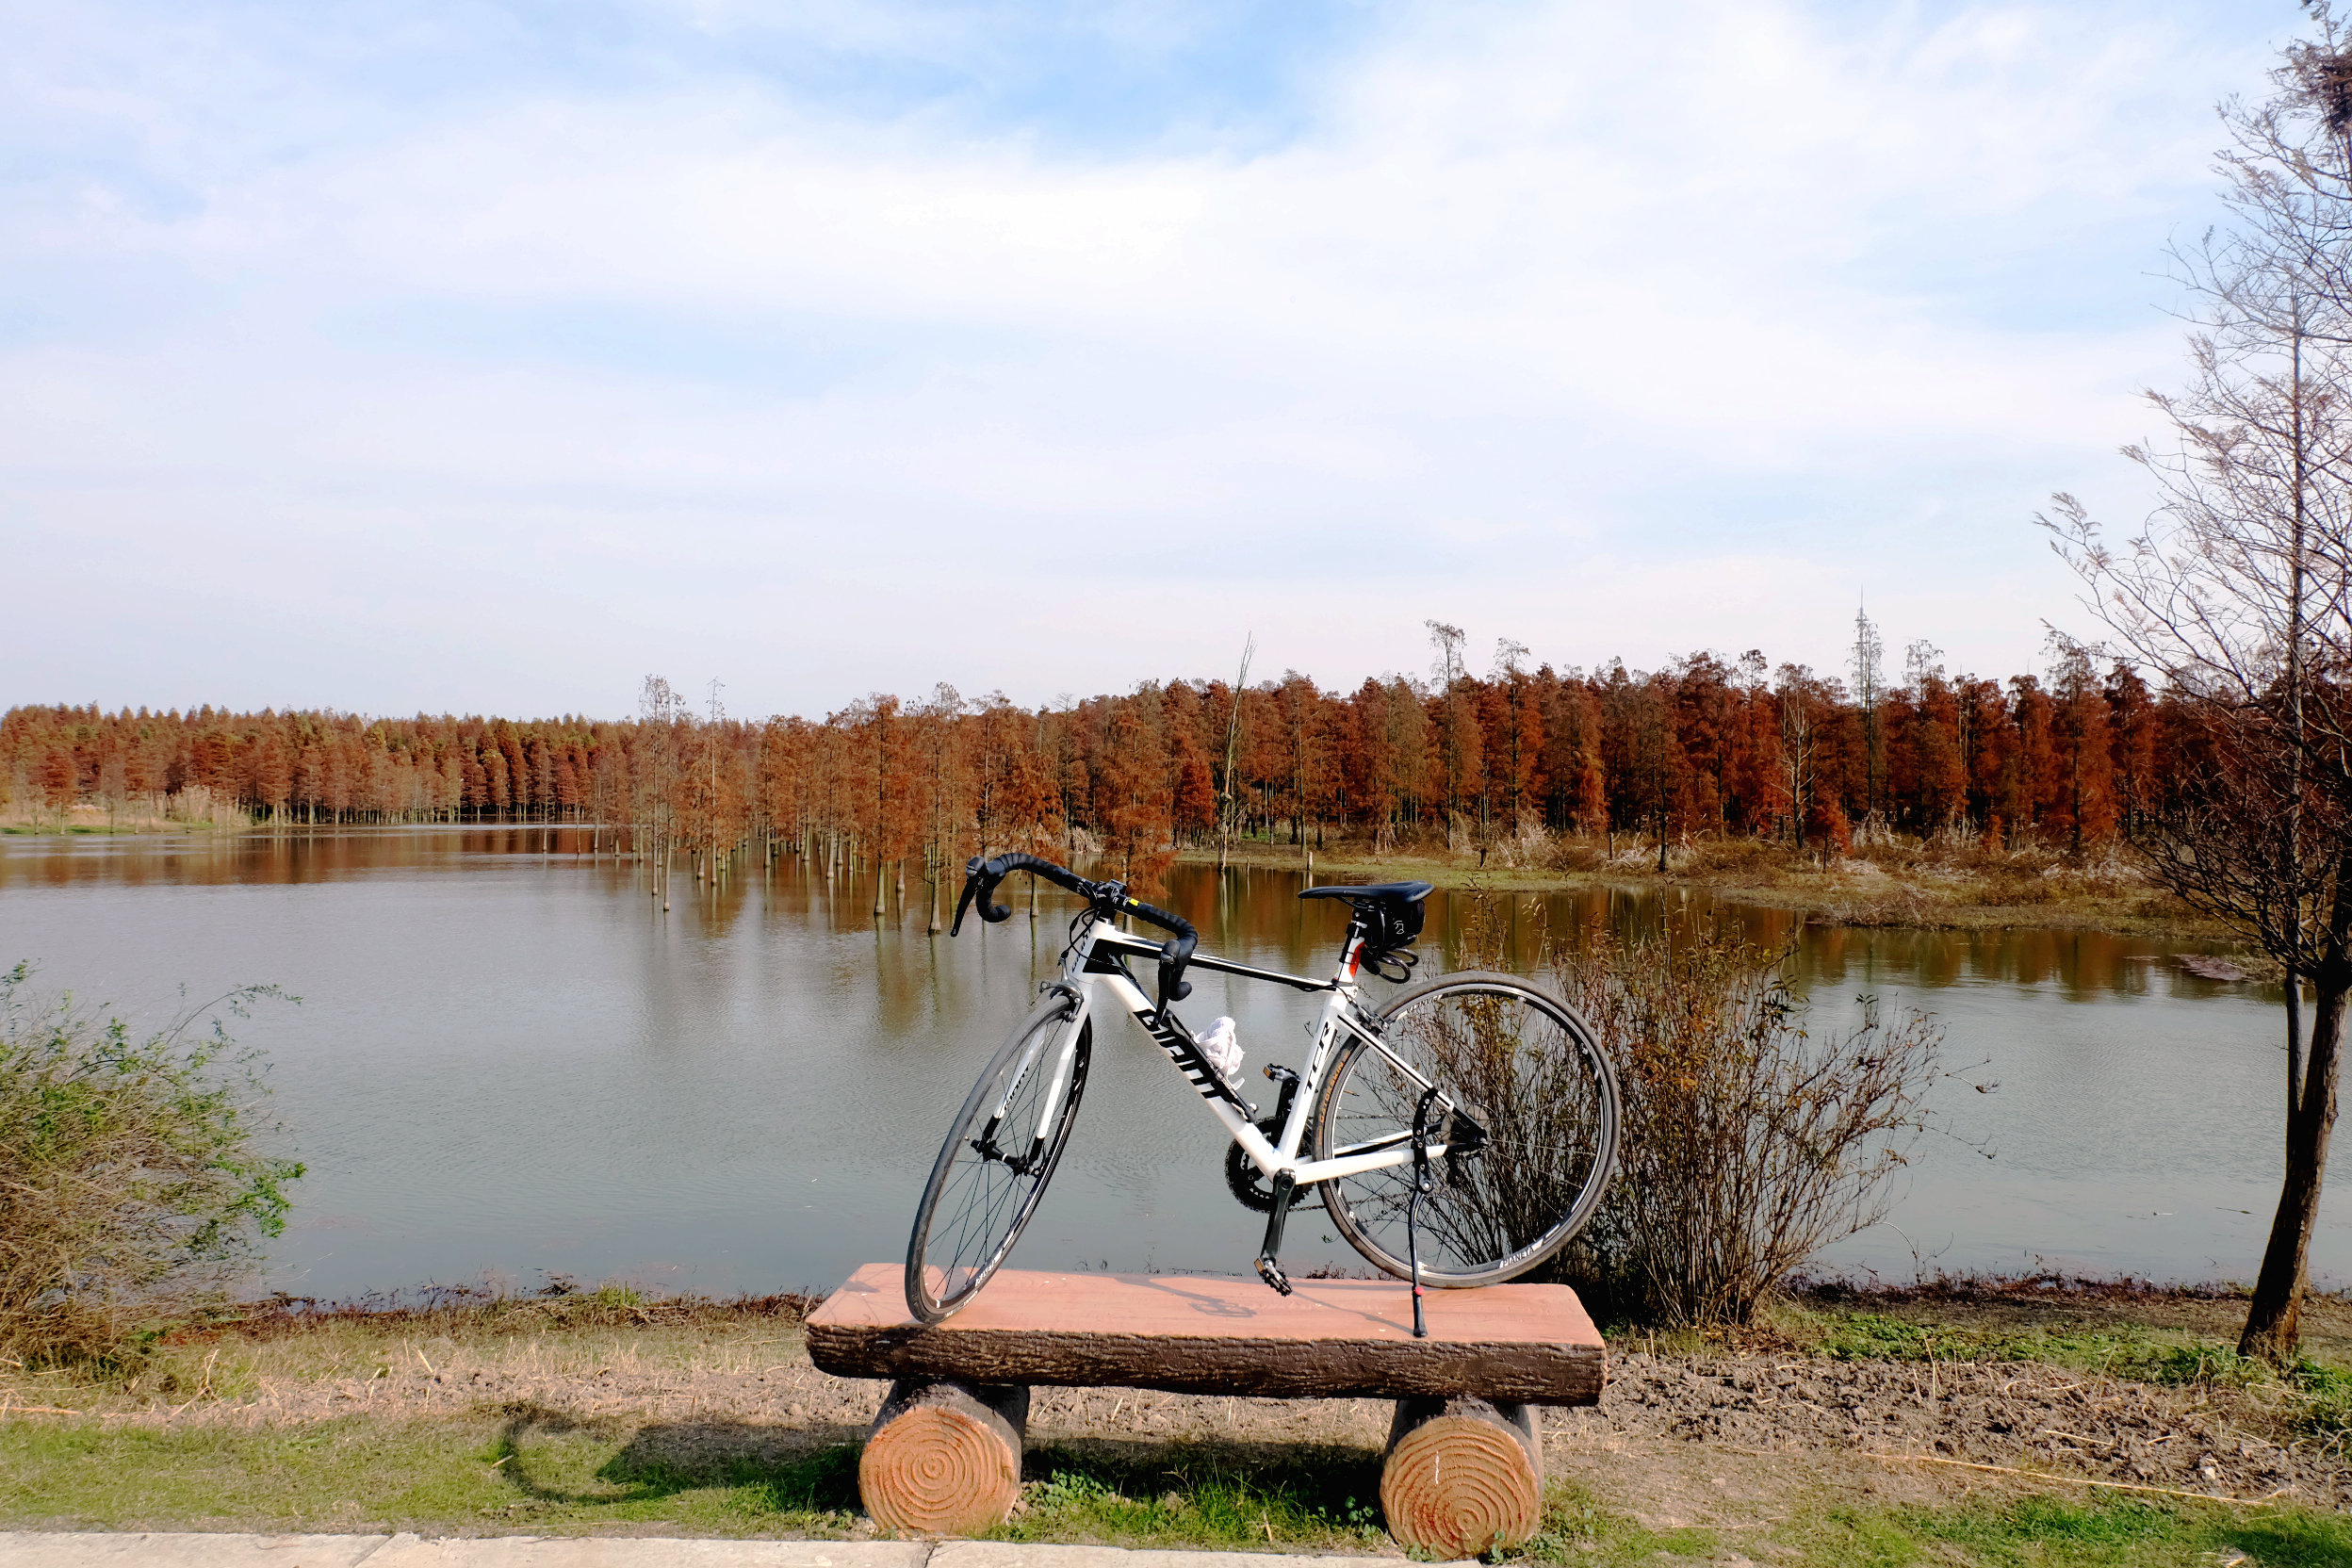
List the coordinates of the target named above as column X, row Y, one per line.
column 787, row 1469
column 813, row 1468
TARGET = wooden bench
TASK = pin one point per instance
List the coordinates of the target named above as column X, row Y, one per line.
column 1464, row 1469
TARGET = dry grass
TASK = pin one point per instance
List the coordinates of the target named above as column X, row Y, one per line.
column 281, row 1360
column 1950, row 882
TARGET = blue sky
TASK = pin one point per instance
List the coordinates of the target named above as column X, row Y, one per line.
column 487, row 356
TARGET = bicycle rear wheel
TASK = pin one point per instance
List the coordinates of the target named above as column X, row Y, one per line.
column 1528, row 1072
column 997, row 1159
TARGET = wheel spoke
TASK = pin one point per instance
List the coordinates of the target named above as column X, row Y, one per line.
column 1524, row 1068
column 984, row 1188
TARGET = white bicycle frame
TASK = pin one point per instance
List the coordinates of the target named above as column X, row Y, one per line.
column 1092, row 965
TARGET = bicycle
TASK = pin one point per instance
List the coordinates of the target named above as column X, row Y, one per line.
column 1494, row 1081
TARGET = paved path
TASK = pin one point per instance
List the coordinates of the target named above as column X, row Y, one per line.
column 124, row 1549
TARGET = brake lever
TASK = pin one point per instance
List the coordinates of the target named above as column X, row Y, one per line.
column 1173, row 987
column 980, row 881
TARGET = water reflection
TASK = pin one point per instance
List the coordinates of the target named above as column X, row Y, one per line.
column 509, row 1059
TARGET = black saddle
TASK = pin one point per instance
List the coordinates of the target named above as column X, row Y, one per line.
column 1375, row 892
column 1389, row 914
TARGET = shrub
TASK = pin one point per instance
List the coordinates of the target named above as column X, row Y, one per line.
column 134, row 1181
column 1749, row 1143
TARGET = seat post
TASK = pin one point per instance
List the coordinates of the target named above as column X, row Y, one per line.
column 1356, row 931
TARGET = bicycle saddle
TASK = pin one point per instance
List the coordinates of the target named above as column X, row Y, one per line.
column 1375, row 892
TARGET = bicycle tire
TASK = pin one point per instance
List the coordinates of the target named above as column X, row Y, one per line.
column 987, row 1204
column 1528, row 1068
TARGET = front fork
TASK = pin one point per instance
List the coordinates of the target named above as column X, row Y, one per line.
column 985, row 1145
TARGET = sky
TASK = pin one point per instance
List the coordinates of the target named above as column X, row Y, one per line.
column 487, row 355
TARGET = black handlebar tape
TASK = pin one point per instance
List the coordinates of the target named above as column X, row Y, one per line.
column 1174, row 954
column 1166, row 921
column 981, row 877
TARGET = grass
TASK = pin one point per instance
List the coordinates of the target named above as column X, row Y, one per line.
column 2319, row 1390
column 2144, row 1354
column 543, row 1472
column 1203, row 1496
column 535, row 1471
column 2043, row 1532
column 526, row 1469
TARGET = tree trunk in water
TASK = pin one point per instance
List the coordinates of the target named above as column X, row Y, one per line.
column 2272, row 1324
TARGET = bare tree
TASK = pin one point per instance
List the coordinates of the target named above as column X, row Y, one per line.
column 1794, row 699
column 1452, row 719
column 2236, row 593
column 1870, row 683
column 659, row 710
column 1228, row 802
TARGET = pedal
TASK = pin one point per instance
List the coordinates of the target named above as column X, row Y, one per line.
column 1271, row 1273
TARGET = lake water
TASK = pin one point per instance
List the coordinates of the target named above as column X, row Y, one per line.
column 507, row 1062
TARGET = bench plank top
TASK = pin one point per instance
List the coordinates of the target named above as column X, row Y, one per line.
column 1330, row 1339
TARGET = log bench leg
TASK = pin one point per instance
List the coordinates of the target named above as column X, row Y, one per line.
column 943, row 1457
column 1462, row 1474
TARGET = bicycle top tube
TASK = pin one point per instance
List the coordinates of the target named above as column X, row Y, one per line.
column 1226, row 966
column 1108, row 901
column 1126, row 941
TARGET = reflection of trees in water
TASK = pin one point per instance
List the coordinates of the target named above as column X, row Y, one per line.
column 1252, row 909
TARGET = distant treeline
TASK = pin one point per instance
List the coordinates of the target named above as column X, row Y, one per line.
column 1703, row 747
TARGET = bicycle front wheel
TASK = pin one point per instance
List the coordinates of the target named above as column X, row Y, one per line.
column 997, row 1159
column 1526, row 1070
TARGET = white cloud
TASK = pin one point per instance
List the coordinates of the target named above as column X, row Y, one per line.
column 1614, row 331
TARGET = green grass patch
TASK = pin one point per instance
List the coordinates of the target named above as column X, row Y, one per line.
column 2146, row 1355
column 2122, row 1533
column 1215, row 1497
column 2026, row 1532
column 2329, row 1391
column 523, row 1470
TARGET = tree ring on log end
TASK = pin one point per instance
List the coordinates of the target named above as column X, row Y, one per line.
column 941, row 1463
column 1461, row 1477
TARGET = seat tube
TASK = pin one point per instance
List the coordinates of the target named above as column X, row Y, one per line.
column 1319, row 1059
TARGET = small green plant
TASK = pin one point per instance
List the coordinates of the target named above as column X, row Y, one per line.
column 135, row 1176
column 1349, row 1514
column 1069, row 1489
